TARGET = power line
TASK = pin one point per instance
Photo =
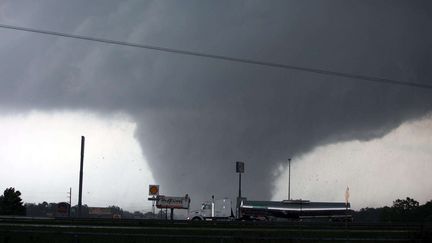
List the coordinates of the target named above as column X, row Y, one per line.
column 226, row 58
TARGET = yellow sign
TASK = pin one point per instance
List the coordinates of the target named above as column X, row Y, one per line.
column 153, row 190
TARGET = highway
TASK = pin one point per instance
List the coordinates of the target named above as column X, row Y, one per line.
column 130, row 230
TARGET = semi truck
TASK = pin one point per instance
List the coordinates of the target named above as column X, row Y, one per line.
column 273, row 210
column 220, row 209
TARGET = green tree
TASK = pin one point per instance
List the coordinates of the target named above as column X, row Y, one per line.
column 11, row 202
column 408, row 204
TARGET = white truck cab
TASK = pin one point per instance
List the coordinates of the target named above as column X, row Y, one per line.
column 220, row 209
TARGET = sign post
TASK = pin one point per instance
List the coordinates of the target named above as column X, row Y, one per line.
column 239, row 170
column 154, row 192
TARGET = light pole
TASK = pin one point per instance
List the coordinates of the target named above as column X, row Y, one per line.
column 289, row 179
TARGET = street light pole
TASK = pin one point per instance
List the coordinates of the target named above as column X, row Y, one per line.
column 289, row 179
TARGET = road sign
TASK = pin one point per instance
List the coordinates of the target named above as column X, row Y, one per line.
column 153, row 190
column 239, row 167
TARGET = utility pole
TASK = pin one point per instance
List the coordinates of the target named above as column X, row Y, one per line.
column 81, row 177
column 289, row 179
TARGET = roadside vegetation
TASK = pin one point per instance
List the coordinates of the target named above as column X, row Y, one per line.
column 402, row 211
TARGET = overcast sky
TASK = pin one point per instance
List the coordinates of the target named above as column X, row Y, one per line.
column 182, row 121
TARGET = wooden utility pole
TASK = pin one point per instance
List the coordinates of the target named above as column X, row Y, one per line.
column 81, row 177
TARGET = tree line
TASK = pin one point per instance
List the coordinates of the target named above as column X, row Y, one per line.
column 12, row 204
column 402, row 210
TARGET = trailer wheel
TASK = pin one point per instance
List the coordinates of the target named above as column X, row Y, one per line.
column 196, row 219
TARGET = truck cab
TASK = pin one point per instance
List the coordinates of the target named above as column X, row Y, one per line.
column 220, row 209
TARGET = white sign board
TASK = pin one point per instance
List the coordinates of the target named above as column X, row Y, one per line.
column 173, row 202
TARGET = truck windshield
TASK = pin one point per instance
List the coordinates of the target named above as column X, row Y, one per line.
column 205, row 206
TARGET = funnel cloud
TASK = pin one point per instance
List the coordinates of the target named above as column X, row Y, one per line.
column 196, row 116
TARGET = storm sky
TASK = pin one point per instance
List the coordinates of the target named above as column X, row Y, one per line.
column 193, row 117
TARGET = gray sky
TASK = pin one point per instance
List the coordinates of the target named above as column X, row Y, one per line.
column 194, row 117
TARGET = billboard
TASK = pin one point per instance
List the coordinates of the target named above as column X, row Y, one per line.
column 173, row 202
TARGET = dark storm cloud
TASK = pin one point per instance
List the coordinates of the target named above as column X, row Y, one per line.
column 197, row 116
